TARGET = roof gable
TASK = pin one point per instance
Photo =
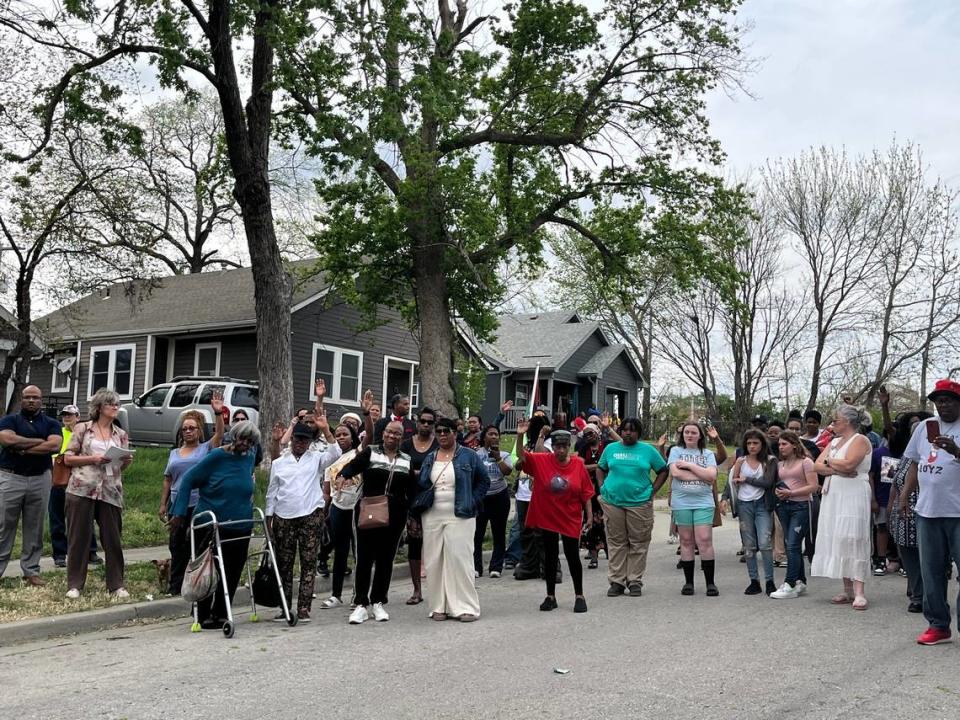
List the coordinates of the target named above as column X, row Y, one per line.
column 548, row 339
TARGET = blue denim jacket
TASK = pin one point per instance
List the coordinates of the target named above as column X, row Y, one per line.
column 471, row 481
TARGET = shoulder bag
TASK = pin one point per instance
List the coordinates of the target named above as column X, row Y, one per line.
column 374, row 512
column 200, row 578
column 265, row 590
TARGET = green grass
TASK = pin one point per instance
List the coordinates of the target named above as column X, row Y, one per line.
column 142, row 485
column 19, row 601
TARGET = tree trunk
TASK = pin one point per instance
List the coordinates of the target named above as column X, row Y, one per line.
column 647, row 377
column 17, row 362
column 815, row 373
column 436, row 333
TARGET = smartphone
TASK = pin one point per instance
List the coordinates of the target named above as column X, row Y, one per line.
column 933, row 430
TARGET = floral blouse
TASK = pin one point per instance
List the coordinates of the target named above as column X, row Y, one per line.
column 97, row 482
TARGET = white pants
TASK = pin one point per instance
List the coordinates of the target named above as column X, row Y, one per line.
column 448, row 557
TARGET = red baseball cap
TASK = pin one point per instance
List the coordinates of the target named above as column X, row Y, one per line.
column 945, row 387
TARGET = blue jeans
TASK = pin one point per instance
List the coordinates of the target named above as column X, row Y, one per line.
column 939, row 541
column 795, row 521
column 514, row 548
column 756, row 533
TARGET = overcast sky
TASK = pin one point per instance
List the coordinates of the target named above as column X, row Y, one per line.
column 851, row 73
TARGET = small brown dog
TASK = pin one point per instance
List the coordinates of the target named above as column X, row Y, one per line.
column 163, row 574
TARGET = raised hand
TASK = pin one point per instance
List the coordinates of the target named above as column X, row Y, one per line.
column 605, row 420
column 522, row 426
column 216, row 401
column 883, row 396
column 278, row 430
column 367, row 402
column 712, row 433
column 322, row 423
column 320, row 388
column 506, row 406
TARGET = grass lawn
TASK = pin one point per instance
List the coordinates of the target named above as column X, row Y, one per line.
column 142, row 483
column 20, row 601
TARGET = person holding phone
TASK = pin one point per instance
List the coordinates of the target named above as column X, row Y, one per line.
column 496, row 505
column 934, row 450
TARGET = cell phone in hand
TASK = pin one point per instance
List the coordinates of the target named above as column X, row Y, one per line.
column 933, row 430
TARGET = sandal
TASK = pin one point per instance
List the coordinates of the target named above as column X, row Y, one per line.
column 439, row 617
column 414, row 600
column 593, row 564
column 860, row 603
column 841, row 599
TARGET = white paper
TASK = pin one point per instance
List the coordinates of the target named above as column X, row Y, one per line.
column 115, row 454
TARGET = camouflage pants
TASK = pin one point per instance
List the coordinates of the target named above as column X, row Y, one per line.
column 291, row 536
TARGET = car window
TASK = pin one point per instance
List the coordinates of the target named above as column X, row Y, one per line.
column 155, row 397
column 183, row 394
column 207, row 392
column 245, row 396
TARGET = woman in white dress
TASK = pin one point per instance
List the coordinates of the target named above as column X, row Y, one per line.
column 843, row 537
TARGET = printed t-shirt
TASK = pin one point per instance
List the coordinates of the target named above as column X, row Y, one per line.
column 937, row 471
column 691, row 494
column 628, row 467
column 883, row 466
column 559, row 492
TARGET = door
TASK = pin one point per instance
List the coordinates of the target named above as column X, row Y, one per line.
column 145, row 418
column 398, row 379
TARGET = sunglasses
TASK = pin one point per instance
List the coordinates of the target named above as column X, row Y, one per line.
column 427, row 422
column 444, row 431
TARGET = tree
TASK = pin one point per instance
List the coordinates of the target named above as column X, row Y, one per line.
column 185, row 43
column 451, row 139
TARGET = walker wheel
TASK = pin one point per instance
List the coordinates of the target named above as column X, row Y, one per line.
column 228, row 629
column 293, row 619
column 195, row 627
column 254, row 617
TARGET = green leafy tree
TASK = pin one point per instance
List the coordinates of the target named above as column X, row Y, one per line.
column 452, row 140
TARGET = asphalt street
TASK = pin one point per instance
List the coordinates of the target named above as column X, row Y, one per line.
column 661, row 655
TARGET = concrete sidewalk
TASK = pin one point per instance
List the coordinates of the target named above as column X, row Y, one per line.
column 130, row 556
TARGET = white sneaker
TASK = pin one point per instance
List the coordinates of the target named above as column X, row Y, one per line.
column 672, row 540
column 359, row 615
column 476, row 574
column 121, row 594
column 331, row 602
column 379, row 614
column 785, row 593
column 800, row 587
column 73, row 594
column 494, row 574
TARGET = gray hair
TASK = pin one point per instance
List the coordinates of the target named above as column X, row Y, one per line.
column 851, row 414
column 246, row 430
column 103, row 396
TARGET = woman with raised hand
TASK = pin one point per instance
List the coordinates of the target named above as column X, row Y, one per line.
column 453, row 483
column 796, row 486
column 340, row 497
column 753, row 478
column 561, row 499
column 590, row 449
column 693, row 499
column 495, row 508
column 95, row 491
column 626, row 495
column 386, row 472
column 191, row 450
column 843, row 538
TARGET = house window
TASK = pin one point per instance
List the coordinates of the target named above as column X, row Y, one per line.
column 341, row 370
column 414, row 394
column 206, row 359
column 521, row 395
column 111, row 366
column 62, row 371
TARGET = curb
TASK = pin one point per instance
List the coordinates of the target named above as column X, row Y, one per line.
column 34, row 629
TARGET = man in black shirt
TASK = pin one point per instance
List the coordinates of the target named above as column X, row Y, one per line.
column 29, row 440
column 399, row 409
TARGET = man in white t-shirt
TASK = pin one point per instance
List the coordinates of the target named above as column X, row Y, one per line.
column 935, row 452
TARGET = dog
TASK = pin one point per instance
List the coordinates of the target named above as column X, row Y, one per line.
column 163, row 574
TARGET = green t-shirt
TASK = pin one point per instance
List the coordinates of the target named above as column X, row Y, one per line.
column 628, row 473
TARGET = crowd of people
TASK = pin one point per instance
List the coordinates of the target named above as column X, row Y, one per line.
column 841, row 502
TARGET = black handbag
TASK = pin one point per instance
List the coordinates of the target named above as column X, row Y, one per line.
column 422, row 502
column 266, row 591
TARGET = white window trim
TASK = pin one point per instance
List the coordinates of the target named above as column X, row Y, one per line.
column 196, row 357
column 526, row 394
column 54, row 388
column 333, row 393
column 414, row 394
column 112, row 349
column 413, row 373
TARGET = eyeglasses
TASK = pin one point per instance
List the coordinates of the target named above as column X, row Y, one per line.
column 111, row 404
column 427, row 422
column 189, row 428
column 444, row 431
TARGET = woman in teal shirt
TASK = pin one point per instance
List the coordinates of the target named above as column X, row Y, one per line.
column 626, row 495
column 225, row 481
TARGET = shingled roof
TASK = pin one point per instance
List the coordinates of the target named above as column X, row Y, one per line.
column 599, row 362
column 175, row 303
column 548, row 338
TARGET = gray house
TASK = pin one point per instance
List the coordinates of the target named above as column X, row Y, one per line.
column 579, row 367
column 132, row 336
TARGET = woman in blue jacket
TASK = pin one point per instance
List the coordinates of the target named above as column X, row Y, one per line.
column 453, row 483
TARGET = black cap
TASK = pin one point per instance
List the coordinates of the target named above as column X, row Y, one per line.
column 302, row 430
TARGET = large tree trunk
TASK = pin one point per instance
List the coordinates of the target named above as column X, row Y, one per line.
column 436, row 333
column 17, row 362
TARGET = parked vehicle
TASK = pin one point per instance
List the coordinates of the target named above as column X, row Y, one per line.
column 154, row 418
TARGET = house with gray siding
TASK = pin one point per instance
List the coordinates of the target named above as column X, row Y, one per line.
column 133, row 336
column 580, row 368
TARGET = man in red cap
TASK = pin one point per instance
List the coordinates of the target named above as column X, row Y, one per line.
column 935, row 454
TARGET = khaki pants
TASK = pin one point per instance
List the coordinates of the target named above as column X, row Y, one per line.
column 448, row 557
column 779, row 549
column 628, row 539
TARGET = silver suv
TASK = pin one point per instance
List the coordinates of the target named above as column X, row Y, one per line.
column 154, row 417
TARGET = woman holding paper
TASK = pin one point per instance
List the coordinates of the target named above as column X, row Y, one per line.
column 97, row 456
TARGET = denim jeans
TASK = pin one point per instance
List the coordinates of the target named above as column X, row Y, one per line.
column 939, row 541
column 514, row 547
column 756, row 532
column 495, row 510
column 795, row 520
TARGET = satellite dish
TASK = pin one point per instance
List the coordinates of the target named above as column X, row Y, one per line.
column 65, row 365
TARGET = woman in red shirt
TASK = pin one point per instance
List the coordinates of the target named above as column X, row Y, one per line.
column 561, row 498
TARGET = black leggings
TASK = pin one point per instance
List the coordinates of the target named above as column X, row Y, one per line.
column 551, row 560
